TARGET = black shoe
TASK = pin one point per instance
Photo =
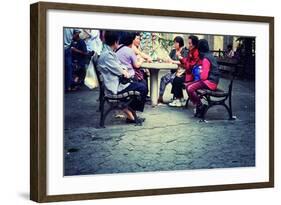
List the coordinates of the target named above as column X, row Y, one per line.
column 147, row 99
column 139, row 120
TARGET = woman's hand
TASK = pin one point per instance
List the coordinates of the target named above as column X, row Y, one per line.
column 175, row 62
column 138, row 64
column 126, row 74
column 180, row 72
column 149, row 59
column 168, row 60
column 141, row 60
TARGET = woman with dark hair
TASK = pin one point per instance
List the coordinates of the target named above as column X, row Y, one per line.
column 111, row 69
column 141, row 56
column 188, row 63
column 209, row 77
column 192, row 59
column 229, row 53
column 179, row 50
column 136, row 48
column 127, row 56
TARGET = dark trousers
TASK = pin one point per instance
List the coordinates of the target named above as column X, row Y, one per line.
column 79, row 70
column 68, row 69
column 144, row 82
column 137, row 104
column 177, row 86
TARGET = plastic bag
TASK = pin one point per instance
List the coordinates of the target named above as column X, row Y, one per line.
column 91, row 80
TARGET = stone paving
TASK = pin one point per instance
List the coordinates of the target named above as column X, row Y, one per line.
column 170, row 138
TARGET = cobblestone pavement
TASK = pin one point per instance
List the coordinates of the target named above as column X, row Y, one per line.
column 170, row 138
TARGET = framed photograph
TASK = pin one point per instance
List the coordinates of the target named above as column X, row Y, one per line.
column 135, row 102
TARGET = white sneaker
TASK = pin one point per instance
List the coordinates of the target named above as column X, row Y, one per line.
column 183, row 102
column 175, row 103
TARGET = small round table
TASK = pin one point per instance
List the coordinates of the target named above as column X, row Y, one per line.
column 154, row 71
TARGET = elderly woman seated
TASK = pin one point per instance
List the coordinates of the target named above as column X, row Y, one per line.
column 112, row 69
column 127, row 57
column 209, row 77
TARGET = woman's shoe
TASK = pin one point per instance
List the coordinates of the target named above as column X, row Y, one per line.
column 175, row 103
column 147, row 99
column 129, row 121
column 183, row 102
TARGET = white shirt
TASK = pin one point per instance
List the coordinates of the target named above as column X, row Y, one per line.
column 93, row 42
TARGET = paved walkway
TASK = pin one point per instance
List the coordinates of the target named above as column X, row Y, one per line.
column 170, row 138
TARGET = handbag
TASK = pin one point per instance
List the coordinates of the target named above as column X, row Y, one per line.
column 91, row 79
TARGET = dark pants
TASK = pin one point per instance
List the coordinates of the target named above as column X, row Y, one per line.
column 68, row 69
column 191, row 89
column 143, row 81
column 177, row 86
column 137, row 104
column 79, row 70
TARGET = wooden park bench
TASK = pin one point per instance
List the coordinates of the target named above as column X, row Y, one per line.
column 217, row 97
column 115, row 101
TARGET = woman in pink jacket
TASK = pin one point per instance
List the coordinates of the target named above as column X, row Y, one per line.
column 209, row 77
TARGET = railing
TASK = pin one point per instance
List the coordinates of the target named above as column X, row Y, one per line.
column 220, row 52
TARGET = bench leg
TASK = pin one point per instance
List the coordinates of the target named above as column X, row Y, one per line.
column 100, row 100
column 106, row 113
column 102, row 113
column 186, row 104
column 229, row 112
column 230, row 108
